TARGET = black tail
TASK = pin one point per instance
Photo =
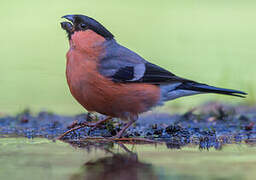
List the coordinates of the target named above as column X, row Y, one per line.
column 193, row 86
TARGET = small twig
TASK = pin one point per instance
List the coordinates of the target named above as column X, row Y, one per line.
column 69, row 131
column 83, row 125
column 134, row 139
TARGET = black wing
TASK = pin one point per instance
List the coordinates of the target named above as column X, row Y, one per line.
column 124, row 74
column 123, row 65
column 153, row 74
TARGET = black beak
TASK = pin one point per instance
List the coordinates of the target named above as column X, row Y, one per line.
column 71, row 18
column 68, row 26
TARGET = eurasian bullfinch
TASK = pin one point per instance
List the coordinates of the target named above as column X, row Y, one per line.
column 110, row 79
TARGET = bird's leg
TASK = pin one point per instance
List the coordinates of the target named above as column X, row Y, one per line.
column 75, row 122
column 84, row 125
column 121, row 132
column 95, row 124
column 88, row 116
column 119, row 135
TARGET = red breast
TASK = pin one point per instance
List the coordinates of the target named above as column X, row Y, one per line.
column 98, row 93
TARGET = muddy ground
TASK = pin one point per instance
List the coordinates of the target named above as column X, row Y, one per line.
column 210, row 125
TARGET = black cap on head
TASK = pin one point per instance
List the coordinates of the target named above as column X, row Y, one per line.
column 82, row 23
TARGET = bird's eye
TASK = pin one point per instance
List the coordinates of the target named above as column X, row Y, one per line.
column 83, row 26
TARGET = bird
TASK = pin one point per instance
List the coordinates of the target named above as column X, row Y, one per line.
column 110, row 79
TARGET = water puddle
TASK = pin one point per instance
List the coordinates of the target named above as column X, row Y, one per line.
column 39, row 158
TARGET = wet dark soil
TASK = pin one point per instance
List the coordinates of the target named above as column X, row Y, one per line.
column 210, row 125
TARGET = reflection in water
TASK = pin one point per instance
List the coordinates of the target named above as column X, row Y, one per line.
column 165, row 163
column 125, row 166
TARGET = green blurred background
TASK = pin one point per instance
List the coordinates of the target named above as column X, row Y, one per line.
column 208, row 41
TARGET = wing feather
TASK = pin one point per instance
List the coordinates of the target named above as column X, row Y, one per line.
column 123, row 65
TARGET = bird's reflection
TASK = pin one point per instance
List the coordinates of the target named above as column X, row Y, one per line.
column 125, row 166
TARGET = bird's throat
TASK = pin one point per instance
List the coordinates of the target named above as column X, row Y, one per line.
column 87, row 41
